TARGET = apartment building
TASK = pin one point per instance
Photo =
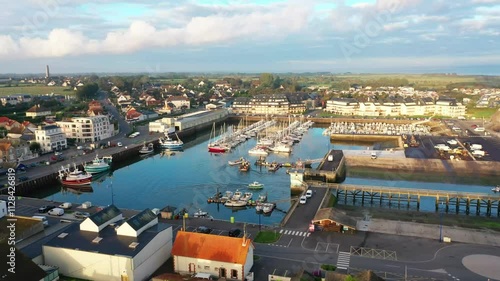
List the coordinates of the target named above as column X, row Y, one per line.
column 397, row 107
column 275, row 104
column 50, row 138
column 88, row 129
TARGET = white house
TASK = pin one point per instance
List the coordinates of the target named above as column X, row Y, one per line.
column 37, row 111
column 98, row 250
column 223, row 256
column 3, row 209
column 88, row 129
column 50, row 138
column 178, row 101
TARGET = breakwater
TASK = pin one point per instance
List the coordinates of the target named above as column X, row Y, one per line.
column 366, row 138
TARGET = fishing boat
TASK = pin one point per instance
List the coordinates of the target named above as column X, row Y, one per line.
column 147, row 149
column 247, row 196
column 281, row 148
column 75, row 177
column 227, row 196
column 273, row 167
column 245, row 166
column 235, row 203
column 262, row 198
column 268, row 207
column 236, row 162
column 256, row 185
column 200, row 214
column 259, row 207
column 496, row 189
column 237, row 195
column 98, row 165
column 171, row 144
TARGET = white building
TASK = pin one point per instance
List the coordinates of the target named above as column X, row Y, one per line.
column 88, row 129
column 449, row 107
column 342, row 106
column 3, row 209
column 164, row 125
column 50, row 138
column 178, row 101
column 98, row 250
column 223, row 256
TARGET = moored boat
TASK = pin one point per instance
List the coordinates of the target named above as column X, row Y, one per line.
column 98, row 165
column 235, row 203
column 236, row 162
column 75, row 177
column 259, row 207
column 268, row 207
column 171, row 144
column 147, row 149
column 262, row 198
column 258, row 151
column 245, row 166
column 256, row 185
column 496, row 189
column 200, row 214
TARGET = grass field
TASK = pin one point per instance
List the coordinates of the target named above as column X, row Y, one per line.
column 419, row 80
column 35, row 90
column 481, row 112
column 267, row 237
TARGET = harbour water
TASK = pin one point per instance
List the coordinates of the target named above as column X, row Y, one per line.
column 186, row 179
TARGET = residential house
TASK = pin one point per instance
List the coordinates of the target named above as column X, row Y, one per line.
column 51, row 83
column 87, row 129
column 13, row 151
column 37, row 111
column 134, row 116
column 105, row 247
column 95, row 108
column 50, row 138
column 223, row 256
column 12, row 100
column 178, row 101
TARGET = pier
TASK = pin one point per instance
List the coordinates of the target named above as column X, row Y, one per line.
column 451, row 201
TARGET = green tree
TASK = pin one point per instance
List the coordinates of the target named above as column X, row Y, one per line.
column 88, row 91
column 35, row 147
column 266, row 80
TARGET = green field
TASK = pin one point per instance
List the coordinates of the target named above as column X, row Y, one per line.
column 481, row 112
column 418, row 80
column 35, row 90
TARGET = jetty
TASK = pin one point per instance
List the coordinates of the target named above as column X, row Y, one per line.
column 451, row 201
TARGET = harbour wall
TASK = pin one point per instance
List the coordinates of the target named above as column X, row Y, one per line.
column 366, row 138
column 462, row 168
column 320, row 120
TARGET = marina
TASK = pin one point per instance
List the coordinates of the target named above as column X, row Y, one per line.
column 172, row 180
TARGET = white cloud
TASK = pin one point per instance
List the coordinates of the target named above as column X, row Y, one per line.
column 216, row 28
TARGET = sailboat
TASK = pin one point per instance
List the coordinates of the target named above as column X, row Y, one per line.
column 215, row 146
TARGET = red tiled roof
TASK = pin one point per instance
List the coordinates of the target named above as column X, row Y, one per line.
column 211, row 247
column 4, row 119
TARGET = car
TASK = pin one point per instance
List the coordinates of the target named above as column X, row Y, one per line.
column 79, row 147
column 203, row 229
column 452, row 142
column 81, row 215
column 235, row 232
column 303, row 199
column 58, row 153
column 473, row 126
column 119, row 144
column 46, row 208
column 309, row 193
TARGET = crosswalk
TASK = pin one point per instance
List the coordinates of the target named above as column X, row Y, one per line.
column 295, row 232
column 343, row 260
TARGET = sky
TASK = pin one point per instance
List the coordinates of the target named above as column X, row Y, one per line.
column 363, row 36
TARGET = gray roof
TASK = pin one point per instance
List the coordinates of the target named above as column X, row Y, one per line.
column 34, row 249
column 111, row 243
column 141, row 219
column 105, row 215
column 336, row 216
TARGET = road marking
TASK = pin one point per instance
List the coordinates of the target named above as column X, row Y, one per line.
column 343, row 260
column 308, row 234
column 281, row 231
column 290, row 242
column 177, row 227
column 221, row 232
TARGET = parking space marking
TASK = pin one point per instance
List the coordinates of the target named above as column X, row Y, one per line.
column 222, row 231
column 333, row 248
column 321, row 247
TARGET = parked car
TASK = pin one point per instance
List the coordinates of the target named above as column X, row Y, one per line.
column 309, row 193
column 119, row 144
column 79, row 147
column 235, row 232
column 56, row 212
column 303, row 199
column 203, row 229
column 81, row 215
column 57, row 153
column 45, row 209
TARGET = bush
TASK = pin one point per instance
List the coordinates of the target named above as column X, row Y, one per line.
column 328, row 267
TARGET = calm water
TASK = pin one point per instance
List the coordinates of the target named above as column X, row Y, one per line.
column 188, row 178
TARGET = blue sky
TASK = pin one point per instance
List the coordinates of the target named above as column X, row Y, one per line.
column 378, row 36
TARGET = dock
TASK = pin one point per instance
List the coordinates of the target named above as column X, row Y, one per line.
column 451, row 201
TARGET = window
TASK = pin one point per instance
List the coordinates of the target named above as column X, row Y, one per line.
column 234, row 273
column 207, row 267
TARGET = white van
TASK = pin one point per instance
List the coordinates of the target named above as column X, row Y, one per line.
column 56, row 212
column 476, row 146
column 478, row 153
column 66, row 205
column 43, row 219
